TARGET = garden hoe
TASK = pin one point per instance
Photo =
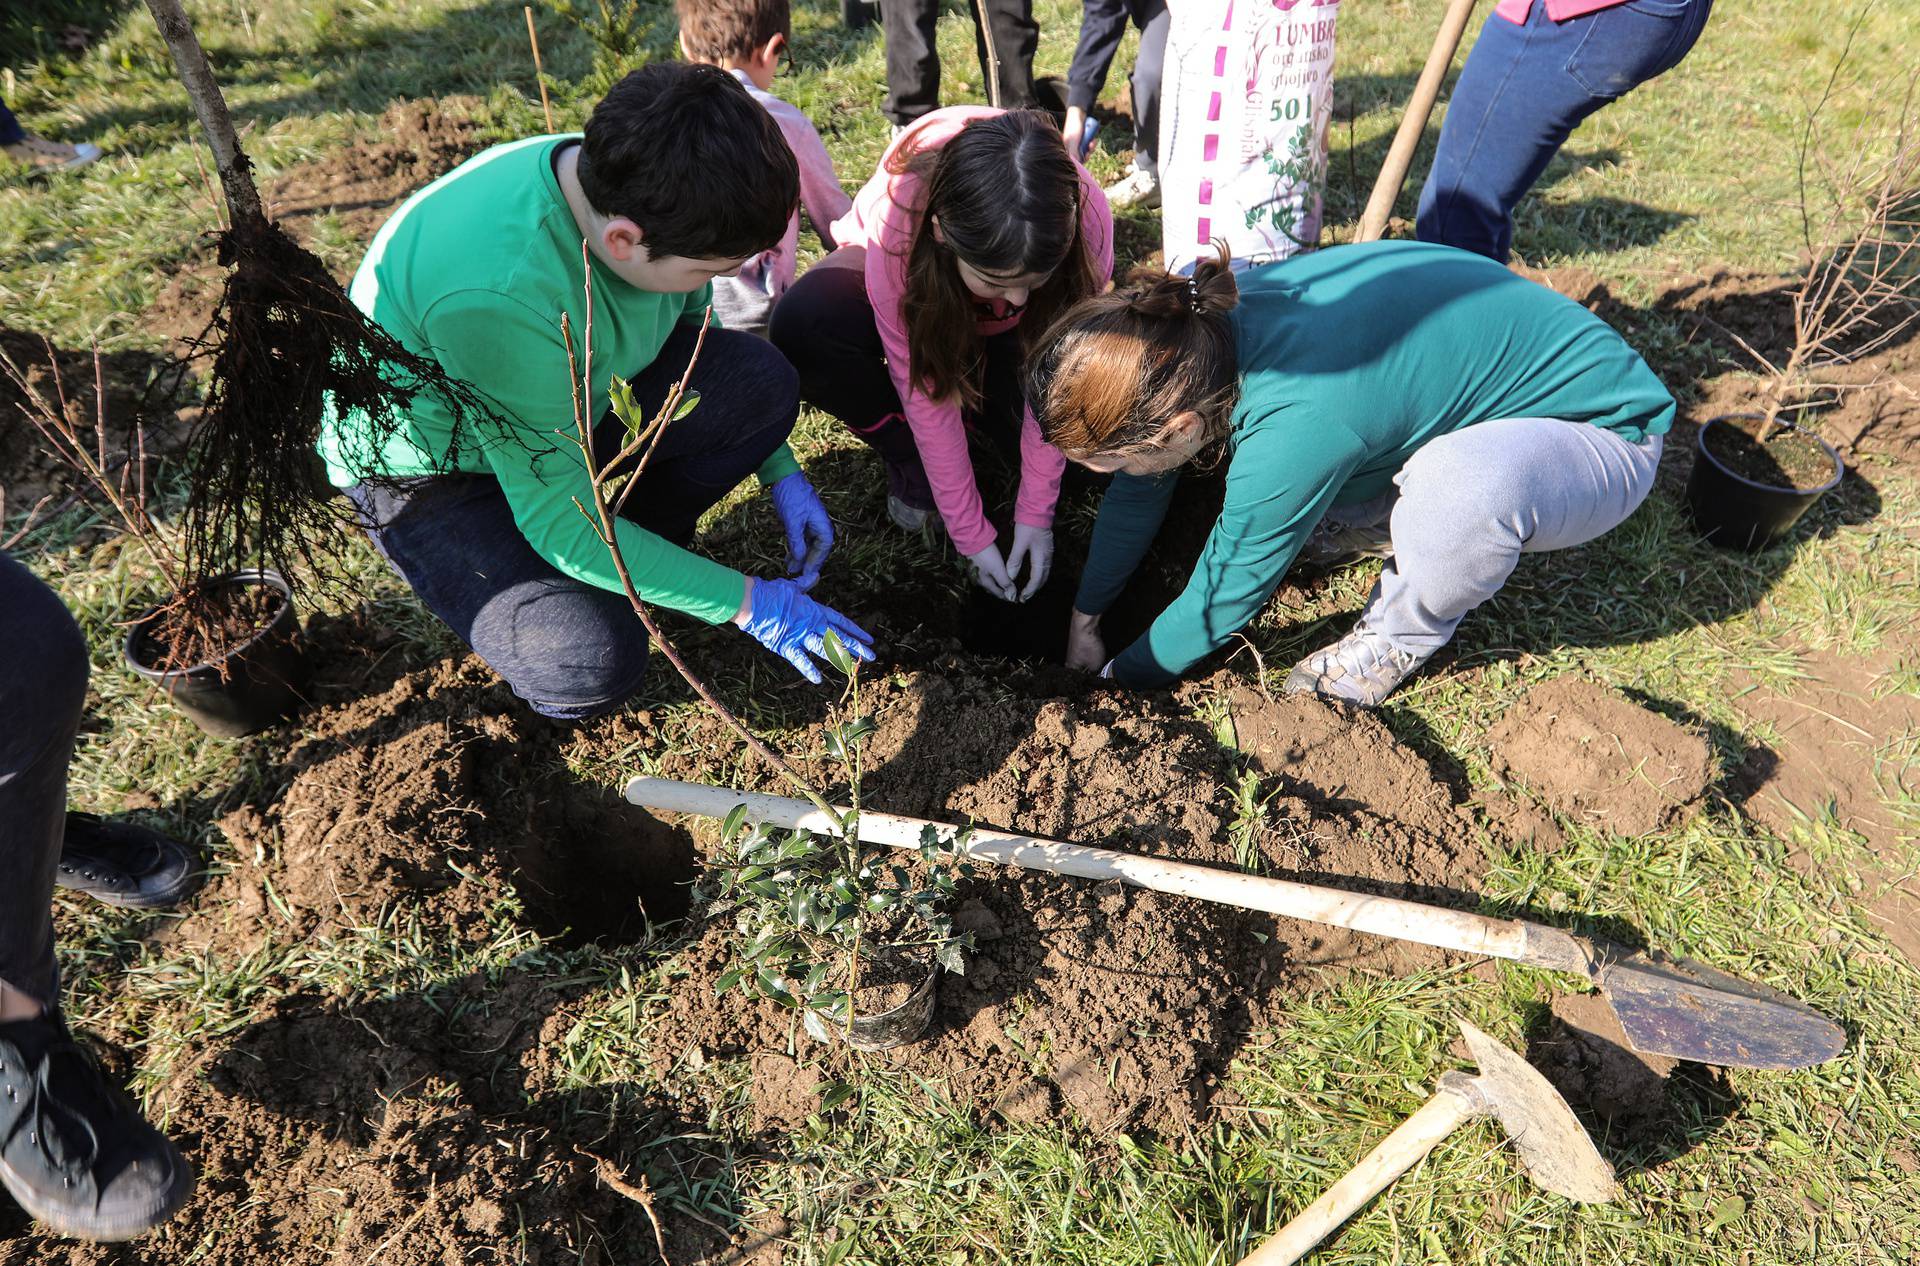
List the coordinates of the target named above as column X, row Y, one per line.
column 1665, row 1006
column 1553, row 1147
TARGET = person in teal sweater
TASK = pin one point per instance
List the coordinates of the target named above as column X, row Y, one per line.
column 1396, row 399
column 679, row 177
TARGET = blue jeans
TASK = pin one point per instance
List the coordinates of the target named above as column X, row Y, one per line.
column 10, row 129
column 1525, row 88
column 570, row 649
column 41, row 698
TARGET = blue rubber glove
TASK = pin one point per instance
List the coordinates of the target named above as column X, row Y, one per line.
column 802, row 515
column 787, row 622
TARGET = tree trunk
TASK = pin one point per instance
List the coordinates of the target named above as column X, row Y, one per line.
column 236, row 173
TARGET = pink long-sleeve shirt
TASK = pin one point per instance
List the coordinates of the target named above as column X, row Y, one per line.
column 885, row 214
column 820, row 193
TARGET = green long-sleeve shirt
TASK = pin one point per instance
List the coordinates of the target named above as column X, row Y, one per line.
column 474, row 271
column 1350, row 359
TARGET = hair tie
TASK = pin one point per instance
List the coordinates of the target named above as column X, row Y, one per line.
column 1193, row 293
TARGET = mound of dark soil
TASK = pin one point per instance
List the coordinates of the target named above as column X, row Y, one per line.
column 1584, row 1053
column 1597, row 757
column 439, row 794
column 419, row 1131
column 1122, row 1005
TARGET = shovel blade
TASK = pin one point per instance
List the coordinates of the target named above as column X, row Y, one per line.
column 1684, row 1009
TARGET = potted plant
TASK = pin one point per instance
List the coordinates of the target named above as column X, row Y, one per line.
column 834, row 927
column 1755, row 474
column 225, row 649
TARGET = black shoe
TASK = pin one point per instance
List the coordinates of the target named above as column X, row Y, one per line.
column 124, row 864
column 74, row 1152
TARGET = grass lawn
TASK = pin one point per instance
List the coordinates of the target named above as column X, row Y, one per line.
column 1692, row 175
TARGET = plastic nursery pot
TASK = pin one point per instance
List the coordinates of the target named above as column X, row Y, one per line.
column 1737, row 511
column 883, row 1030
column 258, row 682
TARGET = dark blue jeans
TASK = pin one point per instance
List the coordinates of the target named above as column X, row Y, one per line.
column 42, row 694
column 10, row 129
column 1523, row 91
column 570, row 649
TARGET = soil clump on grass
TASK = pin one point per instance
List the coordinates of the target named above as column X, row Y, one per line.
column 438, row 799
column 1601, row 759
column 360, row 184
column 1845, row 740
column 1120, row 1006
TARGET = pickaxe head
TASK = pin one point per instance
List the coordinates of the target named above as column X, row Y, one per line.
column 1552, row 1144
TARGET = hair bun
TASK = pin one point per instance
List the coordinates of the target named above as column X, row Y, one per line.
column 1209, row 291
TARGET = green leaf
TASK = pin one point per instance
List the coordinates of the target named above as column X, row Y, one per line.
column 688, row 403
column 950, row 957
column 834, row 1093
column 837, row 654
column 729, row 980
column 736, row 818
column 1727, row 1212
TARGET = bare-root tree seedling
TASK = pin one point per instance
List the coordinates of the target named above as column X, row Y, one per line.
column 1859, row 208
column 287, row 344
column 813, row 909
column 81, row 445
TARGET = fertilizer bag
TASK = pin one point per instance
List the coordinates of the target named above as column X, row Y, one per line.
column 1245, row 103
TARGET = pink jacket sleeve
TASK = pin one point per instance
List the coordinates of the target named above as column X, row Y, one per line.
column 939, row 431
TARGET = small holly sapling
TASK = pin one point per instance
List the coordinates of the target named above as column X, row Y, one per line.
column 817, row 913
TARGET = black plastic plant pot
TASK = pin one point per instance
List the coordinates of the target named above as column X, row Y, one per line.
column 1734, row 511
column 256, row 684
column 883, row 1030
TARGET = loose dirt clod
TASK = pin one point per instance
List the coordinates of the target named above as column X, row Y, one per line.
column 1596, row 757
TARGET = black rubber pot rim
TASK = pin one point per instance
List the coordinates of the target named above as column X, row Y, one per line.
column 1833, row 455
column 136, row 634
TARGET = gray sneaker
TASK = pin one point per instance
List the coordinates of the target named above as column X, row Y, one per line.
column 1332, row 545
column 1363, row 667
column 910, row 518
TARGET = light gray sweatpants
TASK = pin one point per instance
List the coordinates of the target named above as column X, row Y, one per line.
column 1468, row 504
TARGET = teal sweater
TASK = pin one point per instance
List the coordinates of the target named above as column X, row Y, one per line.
column 1350, row 359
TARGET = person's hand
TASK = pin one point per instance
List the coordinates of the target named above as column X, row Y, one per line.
column 1085, row 648
column 1034, row 547
column 778, row 615
column 1074, row 131
column 809, row 530
column 990, row 573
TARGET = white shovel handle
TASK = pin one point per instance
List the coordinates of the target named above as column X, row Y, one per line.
column 1395, row 1155
column 1379, row 916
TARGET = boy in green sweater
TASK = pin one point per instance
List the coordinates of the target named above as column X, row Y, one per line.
column 679, row 177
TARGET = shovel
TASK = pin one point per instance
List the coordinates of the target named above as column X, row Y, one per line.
column 1553, row 1147
column 1393, row 172
column 1665, row 1006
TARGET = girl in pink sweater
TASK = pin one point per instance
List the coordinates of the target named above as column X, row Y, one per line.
column 912, row 331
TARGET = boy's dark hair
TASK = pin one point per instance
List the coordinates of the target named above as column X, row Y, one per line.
column 712, row 29
column 682, row 151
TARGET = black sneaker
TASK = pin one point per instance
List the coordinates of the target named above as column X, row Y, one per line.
column 125, row 864
column 74, row 1152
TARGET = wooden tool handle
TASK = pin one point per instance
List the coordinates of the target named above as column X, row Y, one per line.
column 1393, row 172
column 1380, row 916
column 1396, row 1154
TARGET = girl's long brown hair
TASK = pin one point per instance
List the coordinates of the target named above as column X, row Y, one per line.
column 1108, row 376
column 1008, row 199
